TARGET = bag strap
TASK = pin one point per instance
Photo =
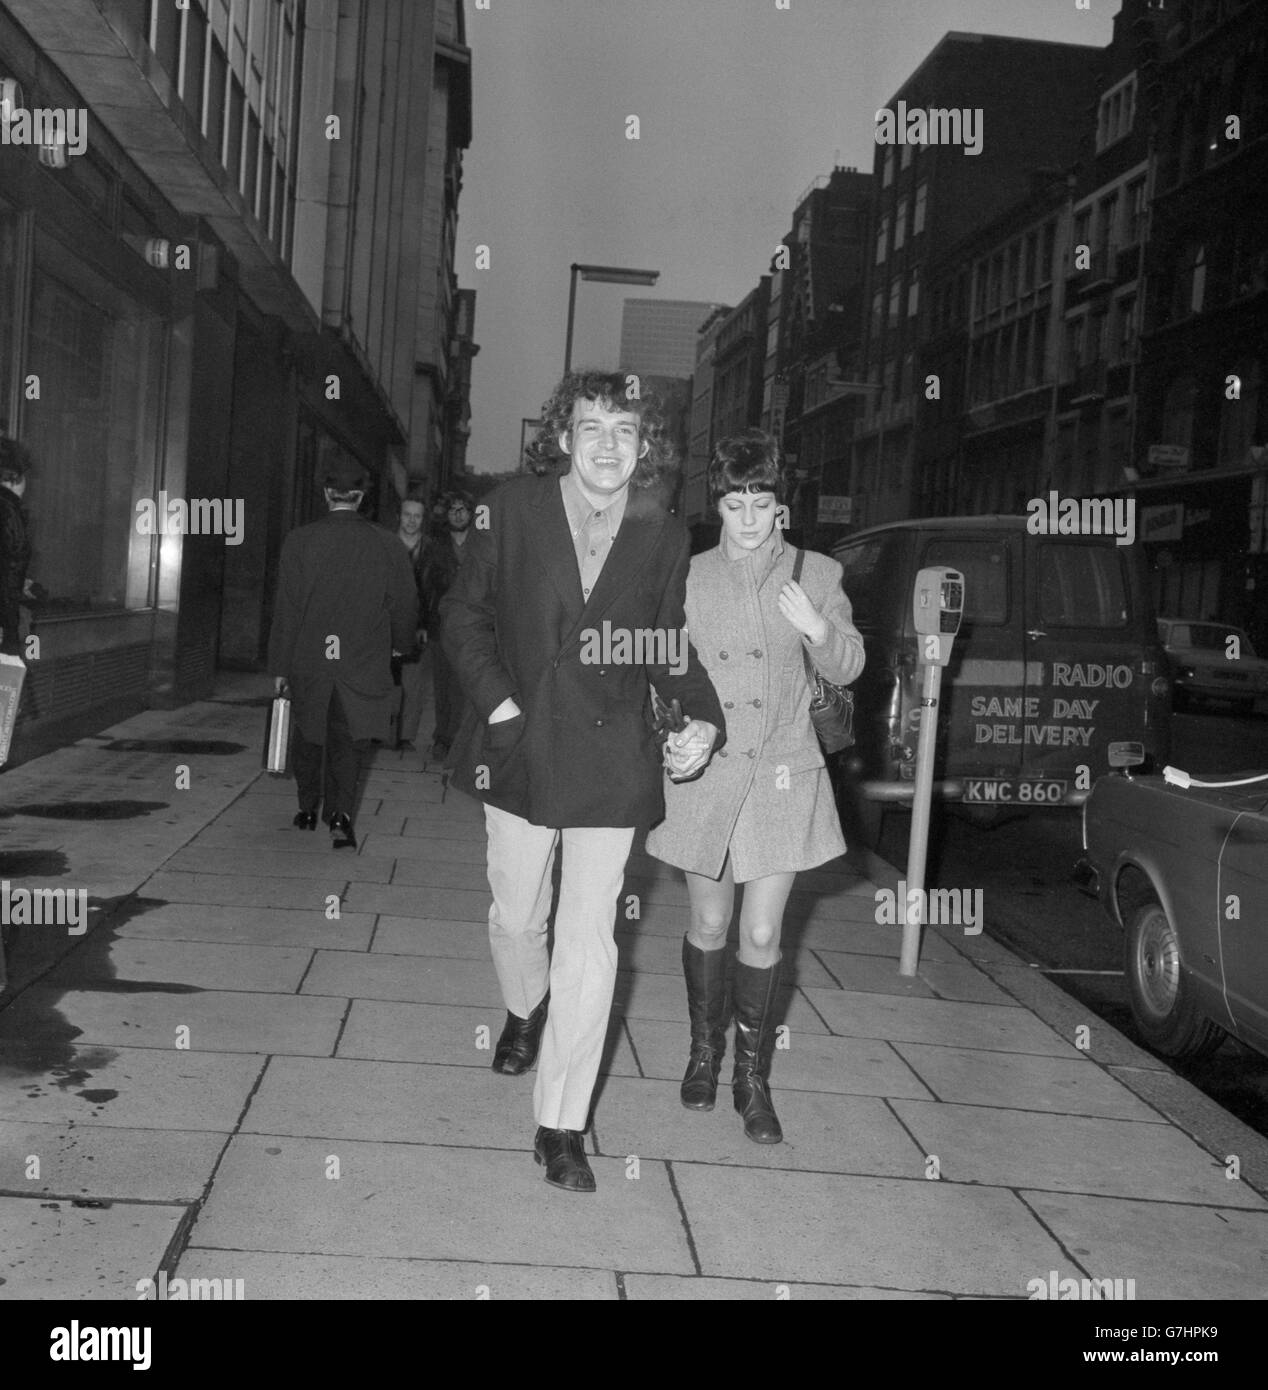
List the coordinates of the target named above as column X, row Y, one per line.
column 811, row 674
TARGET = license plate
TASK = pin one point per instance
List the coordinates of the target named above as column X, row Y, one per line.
column 1023, row 793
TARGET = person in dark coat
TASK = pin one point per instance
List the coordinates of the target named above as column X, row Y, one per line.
column 345, row 602
column 412, row 535
column 764, row 810
column 15, row 544
column 440, row 565
column 557, row 741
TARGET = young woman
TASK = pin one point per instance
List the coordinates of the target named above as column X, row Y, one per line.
column 763, row 810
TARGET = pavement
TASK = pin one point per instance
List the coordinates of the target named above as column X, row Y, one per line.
column 266, row 1061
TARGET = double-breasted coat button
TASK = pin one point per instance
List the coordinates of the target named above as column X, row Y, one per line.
column 757, row 652
column 721, row 752
column 757, row 704
column 728, row 704
column 722, row 655
column 598, row 723
column 750, row 754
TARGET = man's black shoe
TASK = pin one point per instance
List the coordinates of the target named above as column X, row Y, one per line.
column 305, row 820
column 341, row 836
column 517, row 1047
column 565, row 1159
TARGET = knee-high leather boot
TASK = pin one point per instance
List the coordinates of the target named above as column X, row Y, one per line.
column 705, row 973
column 754, row 1002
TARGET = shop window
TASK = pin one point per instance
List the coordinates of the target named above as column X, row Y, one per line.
column 93, row 436
column 1177, row 412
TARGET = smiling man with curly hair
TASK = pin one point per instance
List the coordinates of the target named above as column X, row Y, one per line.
column 559, row 747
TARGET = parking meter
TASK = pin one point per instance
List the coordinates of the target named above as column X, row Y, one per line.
column 937, row 605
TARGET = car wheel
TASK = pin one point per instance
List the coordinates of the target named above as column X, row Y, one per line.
column 1160, row 995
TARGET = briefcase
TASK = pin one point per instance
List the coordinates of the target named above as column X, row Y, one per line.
column 12, row 676
column 277, row 739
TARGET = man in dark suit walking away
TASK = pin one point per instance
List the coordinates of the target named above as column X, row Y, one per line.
column 345, row 601
column 557, row 741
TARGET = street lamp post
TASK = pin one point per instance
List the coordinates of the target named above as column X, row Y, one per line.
column 613, row 275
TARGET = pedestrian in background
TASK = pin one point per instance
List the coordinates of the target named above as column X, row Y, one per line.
column 345, row 603
column 15, row 543
column 559, row 748
column 764, row 809
column 439, row 566
column 412, row 535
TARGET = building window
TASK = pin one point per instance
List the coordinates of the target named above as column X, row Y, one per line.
column 1189, row 286
column 878, row 312
column 895, row 293
column 1126, row 332
column 913, row 295
column 1010, row 277
column 1237, row 417
column 900, row 224
column 1116, row 113
column 1177, row 412
column 905, row 161
column 1048, row 254
column 1107, row 224
column 1135, row 212
column 1073, row 347
column 195, row 64
column 882, row 240
column 979, row 289
column 918, row 212
column 992, row 289
column 887, row 167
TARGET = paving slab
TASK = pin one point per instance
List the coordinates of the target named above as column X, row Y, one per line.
column 285, row 839
column 1070, row 1153
column 257, row 926
column 969, row 1076
column 408, row 979
column 53, row 1250
column 272, row 863
column 197, row 964
column 422, row 936
column 218, row 1020
column 991, row 1026
column 813, row 1062
column 427, row 868
column 406, row 1201
column 396, row 1102
column 427, row 1033
column 330, row 1277
column 134, row 1087
column 826, row 1228
column 674, row 1287
column 107, row 1163
column 251, row 891
column 407, row 900
column 823, row 1133
column 1225, row 1250
column 415, row 846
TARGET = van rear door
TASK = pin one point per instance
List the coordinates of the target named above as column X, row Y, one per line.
column 1087, row 683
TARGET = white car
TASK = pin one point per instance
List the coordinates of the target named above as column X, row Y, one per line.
column 1213, row 661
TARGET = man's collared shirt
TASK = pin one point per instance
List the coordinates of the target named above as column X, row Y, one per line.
column 593, row 529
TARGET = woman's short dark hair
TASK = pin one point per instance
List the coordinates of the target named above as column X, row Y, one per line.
column 15, row 460
column 611, row 390
column 746, row 462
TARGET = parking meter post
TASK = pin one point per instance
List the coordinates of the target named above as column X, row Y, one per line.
column 918, row 845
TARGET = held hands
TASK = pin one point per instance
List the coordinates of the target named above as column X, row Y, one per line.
column 795, row 605
column 688, row 750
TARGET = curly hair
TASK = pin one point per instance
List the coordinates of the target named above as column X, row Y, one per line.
column 655, row 468
column 746, row 462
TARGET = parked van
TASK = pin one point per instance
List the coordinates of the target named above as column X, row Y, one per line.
column 1057, row 656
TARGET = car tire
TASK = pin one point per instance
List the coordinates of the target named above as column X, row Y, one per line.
column 1158, row 990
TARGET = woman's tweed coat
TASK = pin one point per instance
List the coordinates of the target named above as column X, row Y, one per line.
column 766, row 796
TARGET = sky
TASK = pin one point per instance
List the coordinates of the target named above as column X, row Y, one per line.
column 741, row 105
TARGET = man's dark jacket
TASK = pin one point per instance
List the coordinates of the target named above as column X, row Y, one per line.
column 342, row 577
column 582, row 752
